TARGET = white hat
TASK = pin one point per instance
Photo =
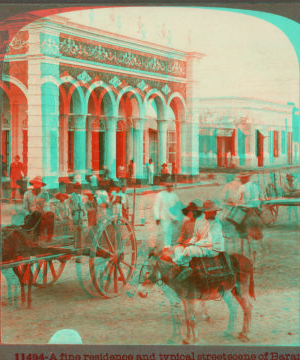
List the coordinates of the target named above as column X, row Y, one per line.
column 77, row 179
column 66, row 336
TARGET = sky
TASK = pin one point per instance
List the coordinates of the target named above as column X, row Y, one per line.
column 244, row 56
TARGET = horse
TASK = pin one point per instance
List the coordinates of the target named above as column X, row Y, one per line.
column 239, row 286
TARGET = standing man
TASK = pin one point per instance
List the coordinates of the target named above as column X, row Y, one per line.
column 250, row 195
column 16, row 173
column 164, row 214
column 150, row 172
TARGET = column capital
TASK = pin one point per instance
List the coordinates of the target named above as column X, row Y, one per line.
column 138, row 123
column 162, row 124
column 111, row 123
column 79, row 122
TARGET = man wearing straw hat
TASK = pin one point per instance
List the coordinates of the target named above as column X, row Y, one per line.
column 36, row 205
column 208, row 239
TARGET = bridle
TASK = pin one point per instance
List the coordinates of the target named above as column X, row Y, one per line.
column 149, row 279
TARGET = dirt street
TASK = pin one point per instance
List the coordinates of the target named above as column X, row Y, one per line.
column 125, row 320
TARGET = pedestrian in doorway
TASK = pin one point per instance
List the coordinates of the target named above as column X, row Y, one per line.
column 16, row 173
column 132, row 171
column 150, row 172
column 174, row 172
column 164, row 172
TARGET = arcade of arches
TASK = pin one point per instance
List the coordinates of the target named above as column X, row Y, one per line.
column 72, row 104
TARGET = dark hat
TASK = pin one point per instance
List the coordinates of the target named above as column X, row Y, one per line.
column 195, row 205
column 210, row 205
column 60, row 196
column 290, row 176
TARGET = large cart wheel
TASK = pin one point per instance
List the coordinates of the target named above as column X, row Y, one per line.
column 109, row 257
column 47, row 272
column 269, row 213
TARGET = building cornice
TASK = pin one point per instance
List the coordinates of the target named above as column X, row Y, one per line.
column 96, row 35
column 243, row 103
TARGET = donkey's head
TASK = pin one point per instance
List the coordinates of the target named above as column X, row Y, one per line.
column 149, row 276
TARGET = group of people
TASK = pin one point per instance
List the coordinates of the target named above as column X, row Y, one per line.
column 202, row 231
column 80, row 207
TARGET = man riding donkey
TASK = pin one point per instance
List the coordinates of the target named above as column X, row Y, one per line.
column 200, row 269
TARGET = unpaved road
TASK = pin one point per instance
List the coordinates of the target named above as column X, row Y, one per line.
column 124, row 320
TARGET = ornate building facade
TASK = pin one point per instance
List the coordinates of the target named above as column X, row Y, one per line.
column 76, row 99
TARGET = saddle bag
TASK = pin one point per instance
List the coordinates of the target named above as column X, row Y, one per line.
column 237, row 215
column 213, row 270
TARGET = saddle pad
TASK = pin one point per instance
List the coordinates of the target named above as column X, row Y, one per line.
column 211, row 266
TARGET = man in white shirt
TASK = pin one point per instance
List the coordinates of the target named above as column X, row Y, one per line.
column 250, row 196
column 165, row 213
column 150, row 172
column 208, row 239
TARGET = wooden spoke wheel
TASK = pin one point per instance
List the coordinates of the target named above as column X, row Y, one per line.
column 112, row 253
column 47, row 272
column 269, row 213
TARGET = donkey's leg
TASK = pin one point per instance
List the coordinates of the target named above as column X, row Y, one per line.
column 187, row 340
column 192, row 318
column 244, row 301
column 176, row 321
column 204, row 312
column 233, row 311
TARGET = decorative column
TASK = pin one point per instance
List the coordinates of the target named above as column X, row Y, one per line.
column 80, row 146
column 138, row 149
column 89, row 145
column 178, row 145
column 43, row 106
column 162, row 142
column 63, row 145
column 184, row 154
column 110, row 144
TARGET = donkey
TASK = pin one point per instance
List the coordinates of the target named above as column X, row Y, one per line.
column 14, row 248
column 240, row 286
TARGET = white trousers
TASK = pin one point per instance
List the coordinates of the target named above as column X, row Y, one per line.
column 167, row 232
column 150, row 177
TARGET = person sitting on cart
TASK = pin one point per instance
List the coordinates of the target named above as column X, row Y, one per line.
column 79, row 215
column 125, row 203
column 116, row 200
column 62, row 210
column 90, row 205
column 37, row 207
column 102, row 200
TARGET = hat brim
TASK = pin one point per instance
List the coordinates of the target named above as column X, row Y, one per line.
column 34, row 182
column 61, row 196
